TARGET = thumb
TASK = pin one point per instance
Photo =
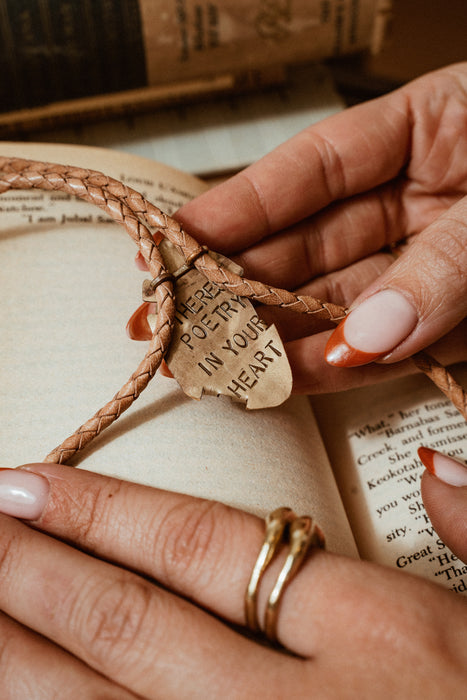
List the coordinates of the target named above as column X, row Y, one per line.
column 420, row 298
column 444, row 493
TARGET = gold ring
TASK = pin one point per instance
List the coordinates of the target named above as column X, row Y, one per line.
column 301, row 534
column 276, row 523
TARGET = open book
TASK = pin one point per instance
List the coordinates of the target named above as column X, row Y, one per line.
column 68, row 287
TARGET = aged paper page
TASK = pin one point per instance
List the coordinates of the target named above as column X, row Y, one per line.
column 69, row 285
column 372, row 436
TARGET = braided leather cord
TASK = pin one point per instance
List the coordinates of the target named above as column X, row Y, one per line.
column 130, row 209
column 443, row 380
column 22, row 174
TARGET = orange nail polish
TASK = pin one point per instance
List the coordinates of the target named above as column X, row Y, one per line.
column 426, row 454
column 141, row 262
column 372, row 329
column 165, row 371
column 138, row 327
column 444, row 467
column 340, row 353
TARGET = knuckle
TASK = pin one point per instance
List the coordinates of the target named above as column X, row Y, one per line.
column 451, row 249
column 258, row 207
column 87, row 512
column 449, row 244
column 112, row 618
column 340, row 290
column 332, row 167
column 380, row 624
column 433, row 268
column 10, row 546
column 190, row 542
column 315, row 251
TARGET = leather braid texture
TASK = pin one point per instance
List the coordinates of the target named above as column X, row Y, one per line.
column 443, row 380
column 130, row 209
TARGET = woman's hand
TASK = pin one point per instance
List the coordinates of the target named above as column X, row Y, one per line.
column 123, row 591
column 318, row 216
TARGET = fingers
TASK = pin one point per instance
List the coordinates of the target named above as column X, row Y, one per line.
column 313, row 375
column 32, row 667
column 162, row 646
column 414, row 303
column 345, row 154
column 119, row 624
column 342, row 235
column 201, row 550
column 420, row 126
column 330, row 241
column 342, row 287
column 181, row 541
column 444, row 491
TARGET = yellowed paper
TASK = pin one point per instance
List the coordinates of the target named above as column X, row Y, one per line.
column 372, row 436
column 65, row 353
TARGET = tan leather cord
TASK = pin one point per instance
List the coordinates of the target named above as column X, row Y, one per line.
column 129, row 208
column 443, row 380
column 22, row 174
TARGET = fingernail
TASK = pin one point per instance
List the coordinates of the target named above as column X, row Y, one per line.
column 138, row 327
column 23, row 494
column 141, row 262
column 449, row 470
column 164, row 370
column 371, row 330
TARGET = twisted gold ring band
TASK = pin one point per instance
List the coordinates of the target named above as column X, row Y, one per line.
column 300, row 534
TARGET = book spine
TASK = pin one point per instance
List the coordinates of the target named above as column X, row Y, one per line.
column 197, row 38
column 52, row 50
column 57, row 55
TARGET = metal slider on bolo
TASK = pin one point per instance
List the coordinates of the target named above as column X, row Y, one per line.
column 189, row 263
column 150, row 286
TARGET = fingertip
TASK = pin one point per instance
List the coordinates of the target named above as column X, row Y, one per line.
column 426, row 455
column 446, row 468
column 339, row 353
column 138, row 327
column 446, row 505
column 23, row 493
column 372, row 330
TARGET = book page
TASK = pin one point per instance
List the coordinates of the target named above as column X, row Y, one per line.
column 69, row 285
column 372, row 435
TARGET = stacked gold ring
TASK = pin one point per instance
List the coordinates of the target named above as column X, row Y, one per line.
column 300, row 534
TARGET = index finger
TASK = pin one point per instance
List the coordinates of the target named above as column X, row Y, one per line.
column 416, row 127
column 345, row 154
column 206, row 552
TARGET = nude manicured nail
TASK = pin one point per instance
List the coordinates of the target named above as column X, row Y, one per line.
column 22, row 493
column 449, row 470
column 371, row 330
